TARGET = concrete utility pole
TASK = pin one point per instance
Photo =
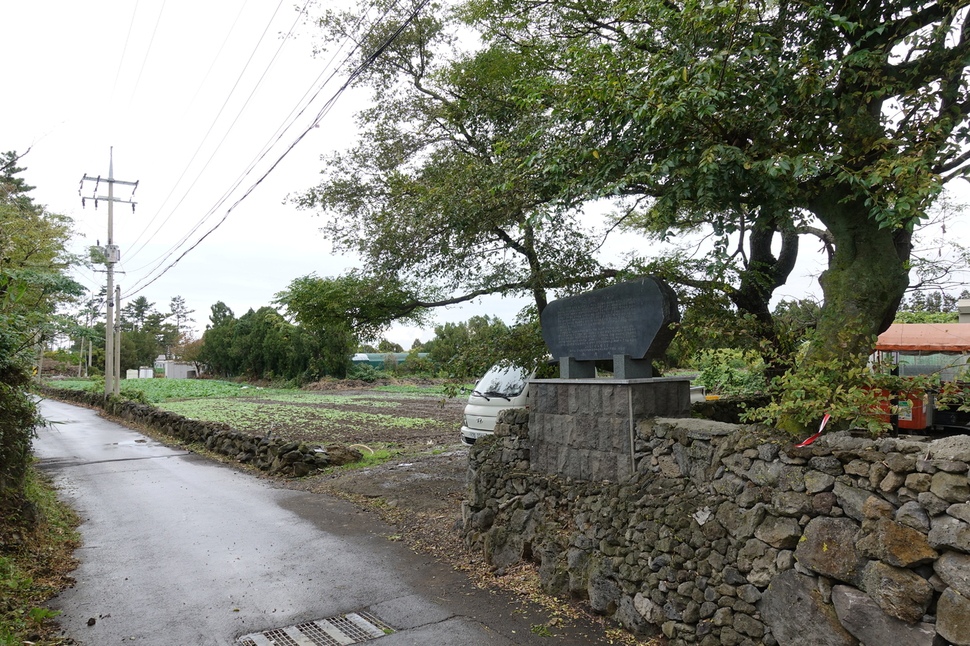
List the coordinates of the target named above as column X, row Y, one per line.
column 112, row 350
column 117, row 344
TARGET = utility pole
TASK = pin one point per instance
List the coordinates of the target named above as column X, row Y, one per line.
column 112, row 254
column 117, row 370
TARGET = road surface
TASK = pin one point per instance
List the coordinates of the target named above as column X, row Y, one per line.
column 181, row 551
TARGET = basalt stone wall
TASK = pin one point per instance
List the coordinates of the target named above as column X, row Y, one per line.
column 727, row 535
column 273, row 455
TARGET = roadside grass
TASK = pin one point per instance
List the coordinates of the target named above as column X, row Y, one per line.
column 35, row 560
column 373, row 456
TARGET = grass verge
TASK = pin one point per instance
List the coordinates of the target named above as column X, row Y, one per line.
column 36, row 558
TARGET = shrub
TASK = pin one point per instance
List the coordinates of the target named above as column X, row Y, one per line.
column 731, row 372
column 363, row 372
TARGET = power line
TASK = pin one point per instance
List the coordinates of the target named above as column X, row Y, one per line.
column 124, row 50
column 215, row 58
column 148, row 52
column 316, row 122
column 267, row 147
column 209, row 131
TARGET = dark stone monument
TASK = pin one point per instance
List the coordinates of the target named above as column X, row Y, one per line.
column 629, row 323
column 583, row 427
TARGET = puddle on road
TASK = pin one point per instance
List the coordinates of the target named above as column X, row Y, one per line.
column 130, row 443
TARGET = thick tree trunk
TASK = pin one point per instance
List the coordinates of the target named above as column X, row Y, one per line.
column 862, row 287
column 864, row 282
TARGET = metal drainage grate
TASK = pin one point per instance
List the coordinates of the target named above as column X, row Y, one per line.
column 342, row 630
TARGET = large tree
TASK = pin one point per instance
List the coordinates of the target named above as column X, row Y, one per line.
column 435, row 196
column 848, row 114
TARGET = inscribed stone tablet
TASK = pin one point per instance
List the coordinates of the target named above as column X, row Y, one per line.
column 631, row 318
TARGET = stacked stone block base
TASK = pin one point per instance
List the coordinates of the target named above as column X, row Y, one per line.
column 585, row 428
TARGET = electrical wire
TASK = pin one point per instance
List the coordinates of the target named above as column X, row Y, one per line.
column 124, row 50
column 270, row 143
column 316, row 122
column 267, row 148
column 191, row 102
column 148, row 52
column 212, row 127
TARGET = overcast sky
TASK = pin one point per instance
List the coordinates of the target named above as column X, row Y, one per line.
column 198, row 99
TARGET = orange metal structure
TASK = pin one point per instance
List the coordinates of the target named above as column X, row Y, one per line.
column 925, row 337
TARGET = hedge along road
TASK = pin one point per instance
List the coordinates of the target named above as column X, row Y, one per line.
column 180, row 550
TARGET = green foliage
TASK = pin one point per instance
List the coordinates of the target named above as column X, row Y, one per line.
column 262, row 344
column 416, row 365
column 363, row 372
column 934, row 302
column 926, row 317
column 146, row 334
column 387, row 346
column 709, row 322
column 850, row 393
column 731, row 372
column 353, row 305
column 435, row 194
column 373, row 455
column 33, row 281
column 463, row 349
column 467, row 350
column 934, row 307
column 855, row 394
column 159, row 390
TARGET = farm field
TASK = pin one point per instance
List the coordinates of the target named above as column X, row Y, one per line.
column 402, row 417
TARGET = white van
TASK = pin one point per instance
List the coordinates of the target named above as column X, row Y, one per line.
column 502, row 387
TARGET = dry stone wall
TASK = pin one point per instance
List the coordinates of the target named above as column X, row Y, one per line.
column 727, row 535
column 274, row 455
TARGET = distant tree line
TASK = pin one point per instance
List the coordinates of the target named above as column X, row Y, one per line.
column 146, row 333
column 262, row 344
column 932, row 307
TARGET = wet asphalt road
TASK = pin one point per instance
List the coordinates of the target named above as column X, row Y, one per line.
column 181, row 551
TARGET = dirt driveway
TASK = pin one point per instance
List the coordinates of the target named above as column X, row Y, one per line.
column 420, row 490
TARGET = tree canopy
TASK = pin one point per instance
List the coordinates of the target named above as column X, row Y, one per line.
column 752, row 114
column 33, row 281
column 262, row 344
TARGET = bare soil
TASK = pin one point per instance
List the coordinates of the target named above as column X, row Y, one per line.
column 443, row 414
column 421, row 490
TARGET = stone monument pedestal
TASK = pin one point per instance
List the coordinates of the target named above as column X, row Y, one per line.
column 586, row 428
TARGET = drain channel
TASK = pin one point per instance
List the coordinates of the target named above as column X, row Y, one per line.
column 342, row 630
